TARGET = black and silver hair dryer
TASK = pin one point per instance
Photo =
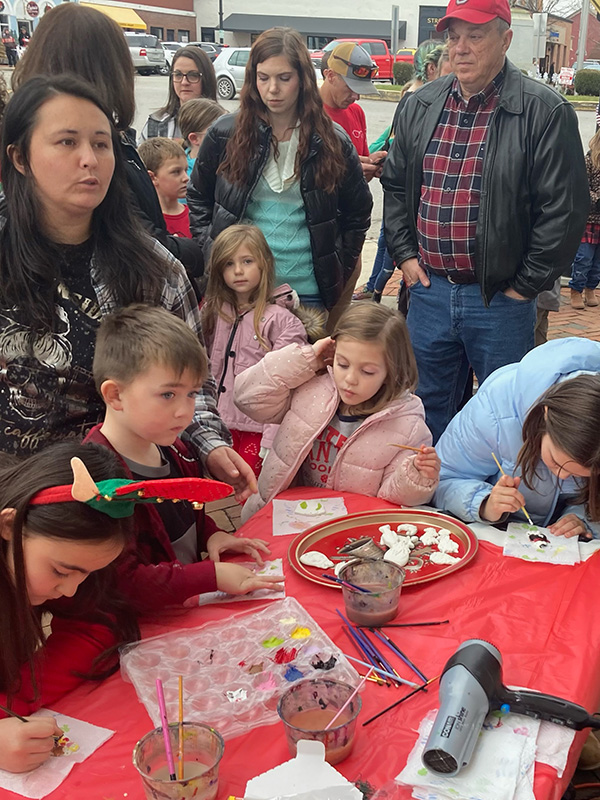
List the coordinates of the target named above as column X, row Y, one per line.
column 470, row 687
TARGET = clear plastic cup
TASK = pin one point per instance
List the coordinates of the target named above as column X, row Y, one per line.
column 384, row 582
column 203, row 749
column 307, row 707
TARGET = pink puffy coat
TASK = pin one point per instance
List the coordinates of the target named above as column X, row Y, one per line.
column 284, row 388
column 234, row 346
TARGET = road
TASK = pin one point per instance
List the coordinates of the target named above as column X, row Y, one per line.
column 151, row 93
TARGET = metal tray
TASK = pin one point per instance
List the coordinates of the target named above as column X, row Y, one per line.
column 328, row 537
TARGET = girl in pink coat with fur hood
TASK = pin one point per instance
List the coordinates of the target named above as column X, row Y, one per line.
column 342, row 405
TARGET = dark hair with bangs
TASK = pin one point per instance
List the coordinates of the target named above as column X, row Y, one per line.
column 123, row 252
column 134, row 339
column 208, row 80
column 569, row 412
column 243, row 145
column 371, row 322
column 98, row 600
column 84, row 42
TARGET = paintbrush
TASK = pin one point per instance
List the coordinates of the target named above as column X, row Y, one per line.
column 383, row 637
column 402, row 699
column 406, row 447
column 523, row 509
column 347, row 584
column 349, row 700
column 18, row 716
column 382, row 672
column 405, row 624
column 365, row 654
column 180, row 765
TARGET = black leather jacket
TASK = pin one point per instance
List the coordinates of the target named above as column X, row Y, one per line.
column 534, row 197
column 337, row 222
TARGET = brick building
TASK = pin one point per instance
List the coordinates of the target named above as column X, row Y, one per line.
column 592, row 45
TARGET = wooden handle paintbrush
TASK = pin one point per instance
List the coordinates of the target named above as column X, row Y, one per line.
column 523, row 509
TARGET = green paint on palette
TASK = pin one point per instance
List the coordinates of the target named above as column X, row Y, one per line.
column 422, row 771
column 274, row 641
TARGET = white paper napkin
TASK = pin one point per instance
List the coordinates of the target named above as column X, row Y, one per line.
column 47, row 777
column 286, row 519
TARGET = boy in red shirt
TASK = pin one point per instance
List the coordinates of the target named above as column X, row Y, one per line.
column 166, row 163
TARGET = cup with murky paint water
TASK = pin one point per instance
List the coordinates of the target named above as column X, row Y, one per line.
column 203, row 749
column 383, row 582
column 307, row 707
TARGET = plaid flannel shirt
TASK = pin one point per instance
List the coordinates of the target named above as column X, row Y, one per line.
column 452, row 170
column 207, row 430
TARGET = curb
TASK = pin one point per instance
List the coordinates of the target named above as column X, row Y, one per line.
column 393, row 96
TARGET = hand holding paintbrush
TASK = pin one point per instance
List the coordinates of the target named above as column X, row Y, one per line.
column 25, row 747
column 427, row 461
column 505, row 498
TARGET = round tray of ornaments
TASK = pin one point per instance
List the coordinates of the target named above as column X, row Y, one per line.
column 330, row 537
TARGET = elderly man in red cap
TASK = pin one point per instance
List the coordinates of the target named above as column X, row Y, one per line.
column 485, row 201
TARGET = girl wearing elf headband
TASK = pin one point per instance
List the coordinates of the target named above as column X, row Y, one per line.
column 54, row 556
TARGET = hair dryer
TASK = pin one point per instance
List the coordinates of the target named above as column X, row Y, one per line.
column 470, row 687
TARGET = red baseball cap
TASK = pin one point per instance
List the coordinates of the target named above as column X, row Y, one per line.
column 477, row 12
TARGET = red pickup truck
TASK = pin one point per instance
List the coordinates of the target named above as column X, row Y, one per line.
column 377, row 49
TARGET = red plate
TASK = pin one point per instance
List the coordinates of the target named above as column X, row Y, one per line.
column 328, row 537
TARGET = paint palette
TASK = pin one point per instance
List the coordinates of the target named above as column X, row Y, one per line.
column 234, row 670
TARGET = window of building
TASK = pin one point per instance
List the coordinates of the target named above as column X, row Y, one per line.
column 170, row 35
column 157, row 32
column 207, row 34
column 183, row 36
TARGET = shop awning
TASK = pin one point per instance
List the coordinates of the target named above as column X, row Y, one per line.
column 315, row 26
column 125, row 17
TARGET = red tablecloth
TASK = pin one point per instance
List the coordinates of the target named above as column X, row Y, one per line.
column 541, row 617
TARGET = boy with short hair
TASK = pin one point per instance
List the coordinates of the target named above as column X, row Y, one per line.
column 166, row 163
column 148, row 367
column 195, row 118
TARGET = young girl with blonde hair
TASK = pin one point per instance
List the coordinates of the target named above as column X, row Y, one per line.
column 342, row 404
column 585, row 269
column 243, row 318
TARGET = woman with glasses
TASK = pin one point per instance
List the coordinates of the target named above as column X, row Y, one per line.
column 281, row 164
column 192, row 76
column 66, row 40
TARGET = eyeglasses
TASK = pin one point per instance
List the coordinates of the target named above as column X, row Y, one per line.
column 362, row 71
column 192, row 77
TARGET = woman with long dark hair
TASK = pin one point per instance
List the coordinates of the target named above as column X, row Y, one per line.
column 72, row 38
column 281, row 164
column 192, row 76
column 71, row 251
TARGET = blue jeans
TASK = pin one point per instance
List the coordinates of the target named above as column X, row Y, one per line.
column 451, row 329
column 585, row 269
column 383, row 266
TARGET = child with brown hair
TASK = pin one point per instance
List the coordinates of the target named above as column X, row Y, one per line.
column 341, row 405
column 148, row 367
column 166, row 162
column 244, row 316
column 195, row 118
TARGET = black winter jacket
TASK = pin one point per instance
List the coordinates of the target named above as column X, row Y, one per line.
column 337, row 222
column 534, row 199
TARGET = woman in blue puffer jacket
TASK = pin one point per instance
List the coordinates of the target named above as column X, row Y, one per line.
column 541, row 418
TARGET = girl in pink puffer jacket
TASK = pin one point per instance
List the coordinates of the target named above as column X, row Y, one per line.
column 342, row 404
column 243, row 318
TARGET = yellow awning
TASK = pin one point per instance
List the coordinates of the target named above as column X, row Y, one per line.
column 125, row 17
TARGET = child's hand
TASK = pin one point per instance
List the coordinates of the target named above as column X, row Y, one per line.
column 504, row 498
column 568, row 526
column 26, row 745
column 324, row 350
column 221, row 541
column 235, row 579
column 428, row 463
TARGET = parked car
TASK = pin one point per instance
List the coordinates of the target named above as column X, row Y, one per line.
column 147, row 53
column 376, row 48
column 211, row 49
column 170, row 49
column 230, row 67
